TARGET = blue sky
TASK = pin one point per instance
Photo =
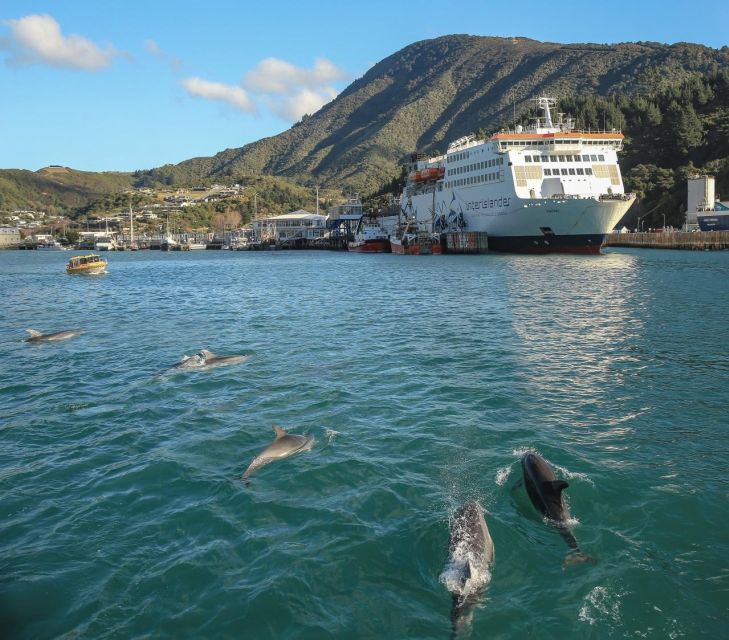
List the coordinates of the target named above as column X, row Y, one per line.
column 130, row 85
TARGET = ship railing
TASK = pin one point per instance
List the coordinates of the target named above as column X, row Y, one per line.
column 616, row 196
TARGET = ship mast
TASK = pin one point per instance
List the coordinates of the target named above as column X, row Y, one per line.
column 131, row 223
column 544, row 104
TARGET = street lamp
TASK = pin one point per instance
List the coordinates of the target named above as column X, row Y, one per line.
column 640, row 221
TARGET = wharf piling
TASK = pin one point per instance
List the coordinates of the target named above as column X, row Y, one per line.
column 695, row 241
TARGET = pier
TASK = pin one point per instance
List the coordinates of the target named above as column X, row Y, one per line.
column 695, row 241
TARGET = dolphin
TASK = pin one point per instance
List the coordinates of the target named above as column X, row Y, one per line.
column 37, row 336
column 470, row 555
column 283, row 446
column 545, row 492
column 207, row 359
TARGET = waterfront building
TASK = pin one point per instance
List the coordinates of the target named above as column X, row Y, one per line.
column 9, row 237
column 299, row 225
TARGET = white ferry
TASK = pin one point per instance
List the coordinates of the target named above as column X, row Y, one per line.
column 538, row 189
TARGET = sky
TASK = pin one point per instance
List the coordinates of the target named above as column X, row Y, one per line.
column 124, row 85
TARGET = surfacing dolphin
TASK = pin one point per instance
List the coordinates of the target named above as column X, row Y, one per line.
column 545, row 492
column 205, row 359
column 283, row 446
column 37, row 336
column 470, row 555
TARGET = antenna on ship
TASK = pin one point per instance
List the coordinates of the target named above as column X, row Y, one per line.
column 544, row 104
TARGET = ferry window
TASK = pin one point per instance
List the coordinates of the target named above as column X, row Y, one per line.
column 588, row 171
column 585, row 158
column 572, row 171
column 527, row 158
column 601, row 158
column 545, row 158
column 564, row 172
column 561, row 158
column 593, row 158
column 580, row 171
column 547, row 172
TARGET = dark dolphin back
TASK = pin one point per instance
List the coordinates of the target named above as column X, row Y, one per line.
column 543, row 487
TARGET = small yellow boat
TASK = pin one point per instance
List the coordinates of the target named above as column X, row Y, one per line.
column 90, row 264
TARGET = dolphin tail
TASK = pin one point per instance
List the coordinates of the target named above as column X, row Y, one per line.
column 461, row 616
column 577, row 557
column 33, row 333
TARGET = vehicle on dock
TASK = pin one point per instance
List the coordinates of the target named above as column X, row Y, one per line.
column 90, row 264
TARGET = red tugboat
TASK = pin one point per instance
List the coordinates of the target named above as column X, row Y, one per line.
column 370, row 237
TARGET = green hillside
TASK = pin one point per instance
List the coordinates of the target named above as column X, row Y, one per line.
column 670, row 100
column 435, row 91
column 57, row 189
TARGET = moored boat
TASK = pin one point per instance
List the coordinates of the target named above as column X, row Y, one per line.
column 370, row 237
column 412, row 240
column 89, row 264
column 51, row 245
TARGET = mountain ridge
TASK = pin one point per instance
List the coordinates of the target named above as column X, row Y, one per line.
column 434, row 91
column 418, row 98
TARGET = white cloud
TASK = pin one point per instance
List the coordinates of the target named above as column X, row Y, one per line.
column 287, row 90
column 306, row 101
column 292, row 91
column 274, row 76
column 37, row 39
column 230, row 94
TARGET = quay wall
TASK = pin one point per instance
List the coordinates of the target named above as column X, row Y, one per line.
column 465, row 242
column 696, row 241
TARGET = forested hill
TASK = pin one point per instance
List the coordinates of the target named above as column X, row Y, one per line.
column 434, row 91
column 670, row 134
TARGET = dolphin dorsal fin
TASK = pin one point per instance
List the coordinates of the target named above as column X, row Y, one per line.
column 558, row 486
column 280, row 433
column 33, row 333
column 206, row 354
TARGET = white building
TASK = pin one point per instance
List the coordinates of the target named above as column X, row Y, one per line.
column 701, row 196
column 297, row 225
column 9, row 236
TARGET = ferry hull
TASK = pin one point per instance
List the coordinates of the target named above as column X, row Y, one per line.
column 528, row 225
column 582, row 244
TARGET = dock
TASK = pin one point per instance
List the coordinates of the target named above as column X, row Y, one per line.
column 693, row 241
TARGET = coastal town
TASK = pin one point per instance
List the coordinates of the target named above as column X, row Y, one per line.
column 157, row 223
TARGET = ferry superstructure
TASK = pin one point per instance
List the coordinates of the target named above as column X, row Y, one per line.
column 538, row 189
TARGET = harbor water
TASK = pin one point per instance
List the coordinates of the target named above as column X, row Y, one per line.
column 423, row 381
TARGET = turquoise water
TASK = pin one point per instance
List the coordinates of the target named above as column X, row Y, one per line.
column 423, row 380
